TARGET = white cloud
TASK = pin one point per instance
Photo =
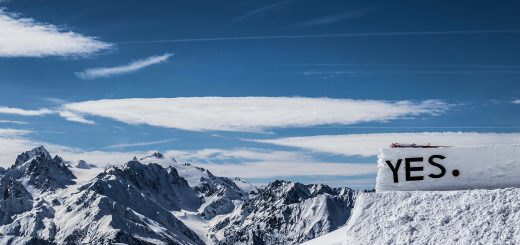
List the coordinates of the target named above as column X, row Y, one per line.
column 282, row 169
column 118, row 70
column 125, row 145
column 257, row 163
column 14, row 122
column 14, row 142
column 24, row 37
column 68, row 115
column 74, row 117
column 9, row 132
column 251, row 114
column 368, row 144
column 516, row 102
column 23, row 112
column 247, row 163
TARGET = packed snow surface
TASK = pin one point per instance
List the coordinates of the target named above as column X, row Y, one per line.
column 436, row 217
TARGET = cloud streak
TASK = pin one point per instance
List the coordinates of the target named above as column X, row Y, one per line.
column 333, row 35
column 14, row 122
column 262, row 9
column 334, row 18
column 126, row 145
column 516, row 102
column 25, row 37
column 258, row 163
column 74, row 117
column 23, row 112
column 124, row 69
column 251, row 114
column 67, row 115
column 367, row 145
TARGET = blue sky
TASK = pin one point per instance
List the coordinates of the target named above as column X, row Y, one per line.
column 260, row 89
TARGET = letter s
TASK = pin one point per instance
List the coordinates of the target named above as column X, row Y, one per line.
column 443, row 170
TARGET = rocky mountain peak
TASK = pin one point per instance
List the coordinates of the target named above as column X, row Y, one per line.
column 158, row 155
column 84, row 165
column 39, row 151
column 42, row 171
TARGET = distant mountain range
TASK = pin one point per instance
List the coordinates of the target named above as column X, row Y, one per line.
column 155, row 200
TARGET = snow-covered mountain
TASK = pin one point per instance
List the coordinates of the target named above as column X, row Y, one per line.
column 155, row 200
column 286, row 213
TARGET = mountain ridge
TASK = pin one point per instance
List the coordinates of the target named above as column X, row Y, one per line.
column 155, row 200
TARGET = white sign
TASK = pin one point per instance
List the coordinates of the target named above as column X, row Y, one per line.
column 448, row 168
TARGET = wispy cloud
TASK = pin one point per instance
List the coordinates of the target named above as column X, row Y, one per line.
column 124, row 69
column 258, row 163
column 157, row 142
column 516, row 102
column 25, row 37
column 74, row 117
column 14, row 122
column 53, row 100
column 333, row 35
column 329, row 19
column 247, row 163
column 9, row 132
column 23, row 112
column 251, row 114
column 368, row 144
column 68, row 115
column 262, row 9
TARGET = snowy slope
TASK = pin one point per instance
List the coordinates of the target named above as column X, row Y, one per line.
column 436, row 217
column 337, row 237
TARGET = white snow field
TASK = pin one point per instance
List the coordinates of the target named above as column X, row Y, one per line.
column 434, row 217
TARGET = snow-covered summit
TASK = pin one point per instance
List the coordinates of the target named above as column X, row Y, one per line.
column 39, row 151
column 37, row 168
column 155, row 155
